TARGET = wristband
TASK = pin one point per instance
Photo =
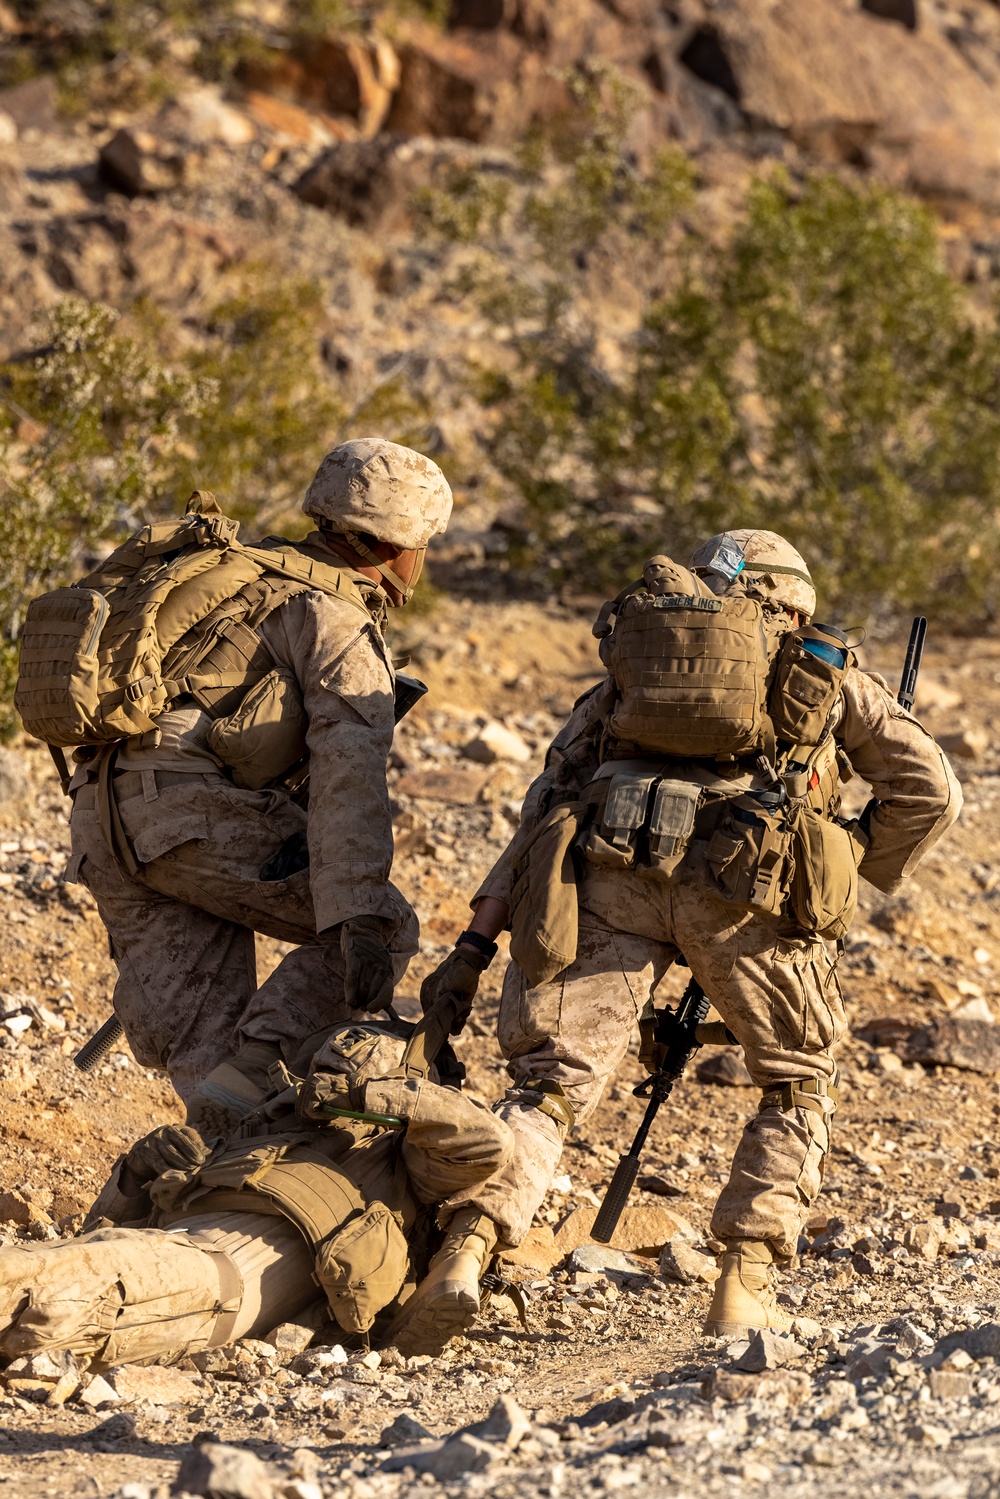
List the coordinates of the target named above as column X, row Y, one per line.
column 482, row 945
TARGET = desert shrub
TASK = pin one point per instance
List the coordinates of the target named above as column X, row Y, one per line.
column 108, row 427
column 817, row 372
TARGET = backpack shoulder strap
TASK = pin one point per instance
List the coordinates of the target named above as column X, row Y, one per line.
column 337, row 582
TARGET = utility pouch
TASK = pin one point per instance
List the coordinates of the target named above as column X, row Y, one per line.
column 613, row 842
column 544, row 917
column 266, row 735
column 824, row 892
column 671, row 823
column 362, row 1267
column 812, row 663
column 749, row 855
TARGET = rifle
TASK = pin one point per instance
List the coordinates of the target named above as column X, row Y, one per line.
column 914, row 651
column 678, row 1030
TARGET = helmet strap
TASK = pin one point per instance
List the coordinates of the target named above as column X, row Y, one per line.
column 364, row 550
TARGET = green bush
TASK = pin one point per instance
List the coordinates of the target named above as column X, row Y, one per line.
column 818, row 372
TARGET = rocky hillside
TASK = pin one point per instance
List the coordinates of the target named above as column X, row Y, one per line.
column 146, row 161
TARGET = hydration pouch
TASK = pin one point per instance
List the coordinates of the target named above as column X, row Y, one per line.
column 749, row 855
column 613, row 842
column 824, row 891
column 812, row 663
column 266, row 735
column 363, row 1267
column 671, row 823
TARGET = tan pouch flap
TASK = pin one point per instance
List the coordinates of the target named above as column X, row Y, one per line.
column 266, row 735
column 544, row 912
column 151, row 843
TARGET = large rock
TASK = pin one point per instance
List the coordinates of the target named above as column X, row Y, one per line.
column 973, row 1045
column 506, row 1425
column 726, row 1068
column 462, row 787
column 135, row 161
column 372, row 183
column 845, row 84
column 344, row 79
column 221, row 1472
column 496, row 742
column 641, row 1229
column 680, row 1261
column 157, row 1384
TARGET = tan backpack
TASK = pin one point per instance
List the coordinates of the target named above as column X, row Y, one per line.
column 100, row 660
column 692, row 669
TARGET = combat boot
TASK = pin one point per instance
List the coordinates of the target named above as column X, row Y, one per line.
column 744, row 1297
column 446, row 1301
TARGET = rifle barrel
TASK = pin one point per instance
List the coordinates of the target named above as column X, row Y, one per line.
column 100, row 1043
column 911, row 665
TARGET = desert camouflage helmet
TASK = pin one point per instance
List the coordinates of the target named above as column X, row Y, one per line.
column 374, row 486
column 773, row 567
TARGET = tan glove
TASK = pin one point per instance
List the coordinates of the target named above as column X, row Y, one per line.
column 324, row 1092
column 458, row 975
column 172, row 1147
column 368, row 973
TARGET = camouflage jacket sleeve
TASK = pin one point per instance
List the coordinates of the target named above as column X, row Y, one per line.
column 917, row 795
column 571, row 762
column 451, row 1142
column 345, row 675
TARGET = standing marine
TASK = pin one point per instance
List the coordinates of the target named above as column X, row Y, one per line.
column 689, row 812
column 232, row 708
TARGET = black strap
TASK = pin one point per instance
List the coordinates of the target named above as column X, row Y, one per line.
column 62, row 769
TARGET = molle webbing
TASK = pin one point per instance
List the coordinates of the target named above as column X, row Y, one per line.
column 692, row 674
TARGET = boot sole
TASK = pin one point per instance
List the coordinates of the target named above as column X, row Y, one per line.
column 424, row 1326
column 732, row 1329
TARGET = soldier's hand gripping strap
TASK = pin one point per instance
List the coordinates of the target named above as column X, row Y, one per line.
column 456, row 980
column 807, row 1093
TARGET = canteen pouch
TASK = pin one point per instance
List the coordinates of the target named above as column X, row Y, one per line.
column 613, row 840
column 363, row 1267
column 824, row 890
column 544, row 917
column 265, row 736
column 749, row 855
column 671, row 823
column 812, row 663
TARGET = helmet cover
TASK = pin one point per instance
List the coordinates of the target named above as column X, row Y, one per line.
column 375, row 486
column 786, row 581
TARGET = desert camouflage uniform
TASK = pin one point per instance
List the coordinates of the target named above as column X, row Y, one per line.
column 777, row 989
column 182, row 930
column 204, row 1278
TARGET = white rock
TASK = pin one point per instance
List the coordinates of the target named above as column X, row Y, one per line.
column 496, row 742
column 98, row 1393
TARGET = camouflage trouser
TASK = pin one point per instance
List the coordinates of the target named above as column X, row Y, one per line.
column 182, row 931
column 125, row 1295
column 776, row 990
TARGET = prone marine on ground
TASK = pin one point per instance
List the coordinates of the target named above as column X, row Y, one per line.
column 337, row 1186
column 233, row 708
column 689, row 812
